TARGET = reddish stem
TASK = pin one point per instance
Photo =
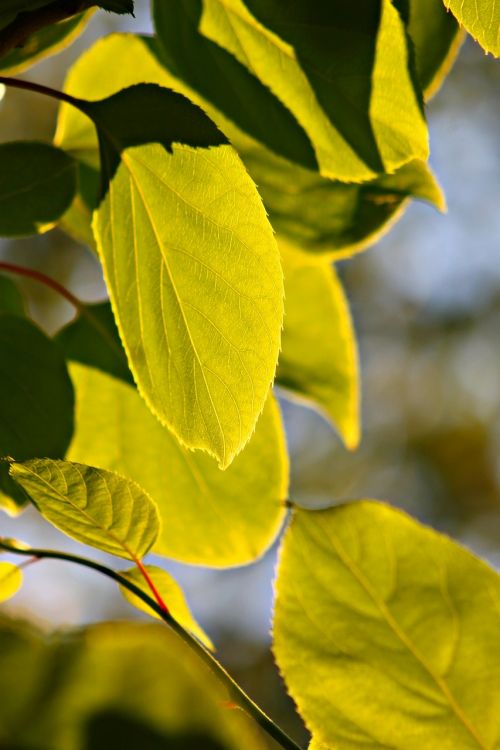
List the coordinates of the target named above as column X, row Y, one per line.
column 30, row 273
column 151, row 585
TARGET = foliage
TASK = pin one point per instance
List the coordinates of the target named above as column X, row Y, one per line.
column 216, row 170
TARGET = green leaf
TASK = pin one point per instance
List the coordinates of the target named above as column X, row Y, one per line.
column 437, row 37
column 37, row 184
column 318, row 360
column 481, row 18
column 331, row 219
column 36, row 399
column 202, row 329
column 118, row 6
column 93, row 506
column 114, row 685
column 172, row 595
column 11, row 579
column 387, row 632
column 92, row 338
column 47, row 41
column 209, row 517
column 11, row 299
column 344, row 73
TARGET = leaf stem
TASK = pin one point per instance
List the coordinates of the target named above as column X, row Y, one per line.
column 38, row 88
column 237, row 693
column 144, row 572
column 41, row 278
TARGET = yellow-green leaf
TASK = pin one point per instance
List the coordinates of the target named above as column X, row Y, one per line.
column 96, row 507
column 387, row 633
column 209, row 517
column 318, row 361
column 343, row 71
column 11, row 579
column 172, row 595
column 481, row 18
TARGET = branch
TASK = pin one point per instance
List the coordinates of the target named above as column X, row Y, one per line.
column 237, row 693
column 25, row 24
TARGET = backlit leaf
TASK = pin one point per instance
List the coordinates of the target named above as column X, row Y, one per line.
column 343, row 70
column 387, row 633
column 37, row 184
column 11, row 579
column 172, row 595
column 193, row 269
column 318, row 360
column 209, row 517
column 46, row 41
column 93, row 506
column 437, row 38
column 36, row 399
column 481, row 18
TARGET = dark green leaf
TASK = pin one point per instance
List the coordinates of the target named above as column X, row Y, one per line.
column 37, row 185
column 11, row 299
column 36, row 398
column 118, row 6
column 47, row 41
column 93, row 339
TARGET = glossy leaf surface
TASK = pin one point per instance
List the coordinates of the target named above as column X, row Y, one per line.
column 209, row 517
column 93, row 506
column 36, row 399
column 318, row 360
column 387, row 632
column 172, row 595
column 481, row 18
column 11, row 579
column 37, row 184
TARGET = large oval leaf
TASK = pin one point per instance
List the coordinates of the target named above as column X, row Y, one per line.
column 318, row 360
column 95, row 507
column 481, row 18
column 36, row 400
column 172, row 595
column 387, row 633
column 344, row 72
column 209, row 517
column 37, row 185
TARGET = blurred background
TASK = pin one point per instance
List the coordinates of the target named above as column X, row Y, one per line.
column 426, row 305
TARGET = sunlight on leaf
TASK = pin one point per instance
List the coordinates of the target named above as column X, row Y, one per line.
column 209, row 517
column 11, row 579
column 386, row 632
column 93, row 506
column 172, row 595
column 481, row 18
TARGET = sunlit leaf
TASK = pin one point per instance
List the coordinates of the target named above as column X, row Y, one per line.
column 387, row 632
column 36, row 399
column 11, row 579
column 193, row 269
column 481, row 18
column 437, row 38
column 318, row 360
column 93, row 506
column 343, row 71
column 93, row 339
column 208, row 516
column 46, row 41
column 114, row 685
column 331, row 219
column 172, row 595
column 37, row 184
